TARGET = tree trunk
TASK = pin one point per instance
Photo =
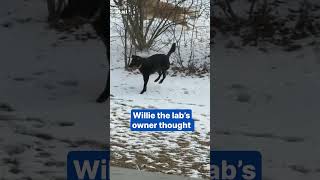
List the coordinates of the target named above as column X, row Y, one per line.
column 51, row 9
column 230, row 10
column 253, row 3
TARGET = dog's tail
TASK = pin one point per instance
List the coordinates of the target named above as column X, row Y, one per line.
column 173, row 48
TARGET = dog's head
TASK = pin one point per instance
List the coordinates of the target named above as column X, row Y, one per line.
column 136, row 62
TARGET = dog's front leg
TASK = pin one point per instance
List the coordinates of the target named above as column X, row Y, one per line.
column 106, row 92
column 145, row 79
column 163, row 76
column 158, row 77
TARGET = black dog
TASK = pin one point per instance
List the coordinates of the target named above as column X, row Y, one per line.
column 96, row 12
column 156, row 63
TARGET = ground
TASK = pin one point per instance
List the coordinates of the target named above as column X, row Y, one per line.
column 181, row 153
column 47, row 103
column 269, row 101
column 49, row 82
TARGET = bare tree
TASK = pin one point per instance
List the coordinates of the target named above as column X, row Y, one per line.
column 55, row 7
column 226, row 6
column 252, row 7
column 145, row 21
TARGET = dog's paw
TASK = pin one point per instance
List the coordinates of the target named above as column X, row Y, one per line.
column 102, row 99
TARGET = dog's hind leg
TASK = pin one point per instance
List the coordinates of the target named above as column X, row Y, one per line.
column 106, row 92
column 160, row 73
column 164, row 73
column 145, row 79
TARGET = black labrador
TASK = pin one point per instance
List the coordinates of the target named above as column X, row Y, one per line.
column 95, row 12
column 156, row 63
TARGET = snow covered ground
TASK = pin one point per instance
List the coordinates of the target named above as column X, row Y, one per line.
column 266, row 101
column 269, row 101
column 182, row 153
column 121, row 174
column 49, row 82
